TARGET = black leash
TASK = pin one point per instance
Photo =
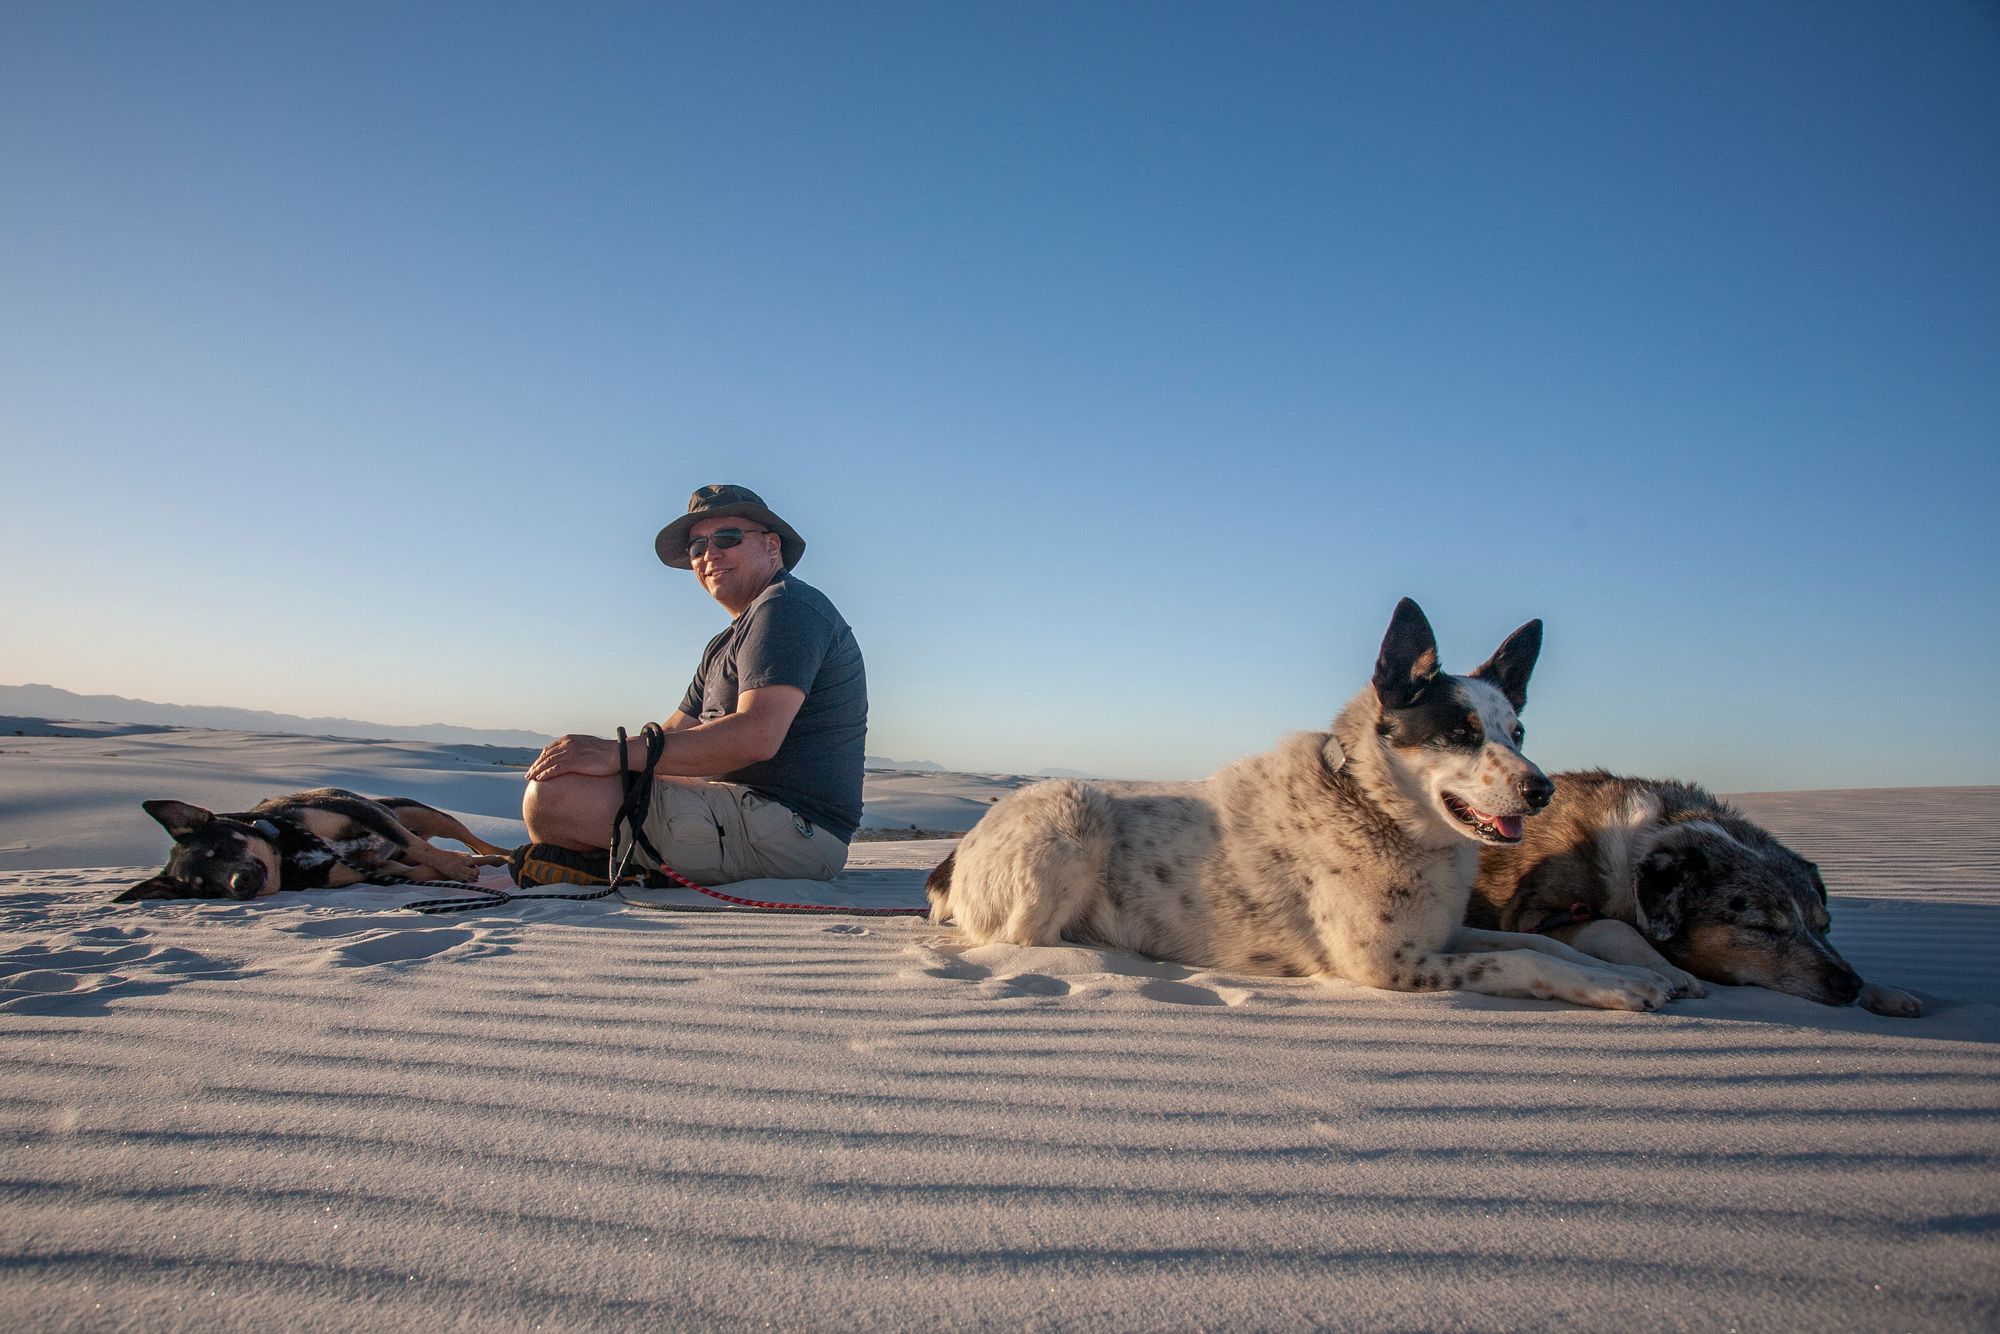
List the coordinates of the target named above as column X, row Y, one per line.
column 496, row 897
column 638, row 800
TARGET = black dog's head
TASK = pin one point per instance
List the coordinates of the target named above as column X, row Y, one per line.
column 213, row 857
column 1734, row 905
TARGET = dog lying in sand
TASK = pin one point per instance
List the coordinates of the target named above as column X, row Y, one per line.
column 1345, row 854
column 1633, row 869
column 322, row 839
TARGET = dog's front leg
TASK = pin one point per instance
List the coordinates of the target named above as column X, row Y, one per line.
column 439, row 863
column 1593, row 944
column 416, row 872
column 339, row 875
column 1519, row 971
column 1620, row 942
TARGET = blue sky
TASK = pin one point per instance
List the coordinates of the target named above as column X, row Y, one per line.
column 1122, row 363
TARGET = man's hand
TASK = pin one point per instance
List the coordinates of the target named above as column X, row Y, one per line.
column 575, row 754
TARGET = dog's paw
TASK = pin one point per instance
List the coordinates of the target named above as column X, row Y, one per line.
column 1683, row 983
column 1633, row 989
column 1889, row 1001
column 454, row 866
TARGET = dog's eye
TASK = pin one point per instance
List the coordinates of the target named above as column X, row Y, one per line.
column 1519, row 732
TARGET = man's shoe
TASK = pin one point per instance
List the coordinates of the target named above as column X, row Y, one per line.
column 534, row 864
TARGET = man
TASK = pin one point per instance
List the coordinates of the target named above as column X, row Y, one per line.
column 761, row 771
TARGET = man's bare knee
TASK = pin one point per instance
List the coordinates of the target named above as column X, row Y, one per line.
column 573, row 811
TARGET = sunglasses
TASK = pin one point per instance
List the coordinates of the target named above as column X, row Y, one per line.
column 721, row 539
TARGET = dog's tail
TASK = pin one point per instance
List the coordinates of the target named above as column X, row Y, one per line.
column 937, row 887
column 425, row 822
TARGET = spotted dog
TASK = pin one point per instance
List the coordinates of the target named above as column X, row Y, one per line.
column 1666, row 876
column 322, row 839
column 1344, row 854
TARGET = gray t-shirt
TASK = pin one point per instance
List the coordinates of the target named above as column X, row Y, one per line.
column 792, row 636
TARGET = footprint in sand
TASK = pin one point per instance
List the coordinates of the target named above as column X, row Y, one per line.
column 325, row 927
column 112, row 933
column 42, row 982
column 1076, row 971
column 61, row 978
column 847, row 929
column 936, row 963
column 370, row 939
column 1184, row 993
column 400, row 946
column 1030, row 984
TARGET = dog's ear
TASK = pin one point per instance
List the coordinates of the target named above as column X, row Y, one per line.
column 1408, row 662
column 177, row 817
column 152, row 887
column 1512, row 662
column 1819, row 885
column 1666, row 880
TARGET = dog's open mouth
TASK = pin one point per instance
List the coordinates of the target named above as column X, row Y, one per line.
column 1491, row 828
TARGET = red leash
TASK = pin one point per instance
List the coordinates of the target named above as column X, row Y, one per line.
column 764, row 906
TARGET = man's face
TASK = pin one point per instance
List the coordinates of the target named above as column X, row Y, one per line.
column 738, row 574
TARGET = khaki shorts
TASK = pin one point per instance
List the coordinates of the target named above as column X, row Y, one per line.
column 714, row 833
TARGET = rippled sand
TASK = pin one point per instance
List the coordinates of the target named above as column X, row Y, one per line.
column 319, row 1111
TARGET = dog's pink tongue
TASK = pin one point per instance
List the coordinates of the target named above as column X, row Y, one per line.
column 1508, row 825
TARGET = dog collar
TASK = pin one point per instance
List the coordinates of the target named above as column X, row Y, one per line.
column 266, row 828
column 1570, row 916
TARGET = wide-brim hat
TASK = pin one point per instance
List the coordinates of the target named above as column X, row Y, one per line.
column 723, row 501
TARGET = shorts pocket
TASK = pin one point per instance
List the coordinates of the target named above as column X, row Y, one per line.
column 782, row 844
column 683, row 825
column 696, row 846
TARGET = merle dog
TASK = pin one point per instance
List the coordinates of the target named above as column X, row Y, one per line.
column 1633, row 869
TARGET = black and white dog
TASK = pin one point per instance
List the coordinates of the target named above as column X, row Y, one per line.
column 1344, row 854
column 322, row 839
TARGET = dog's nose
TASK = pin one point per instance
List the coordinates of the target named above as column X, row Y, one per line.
column 1537, row 790
column 1844, row 984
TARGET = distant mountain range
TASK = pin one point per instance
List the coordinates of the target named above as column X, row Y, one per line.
column 38, row 701
column 915, row 766
column 932, row 767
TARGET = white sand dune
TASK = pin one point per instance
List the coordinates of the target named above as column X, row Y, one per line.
column 945, row 802
column 320, row 1111
column 73, row 799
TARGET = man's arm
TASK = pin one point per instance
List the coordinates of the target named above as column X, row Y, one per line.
column 694, row 749
column 734, row 741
